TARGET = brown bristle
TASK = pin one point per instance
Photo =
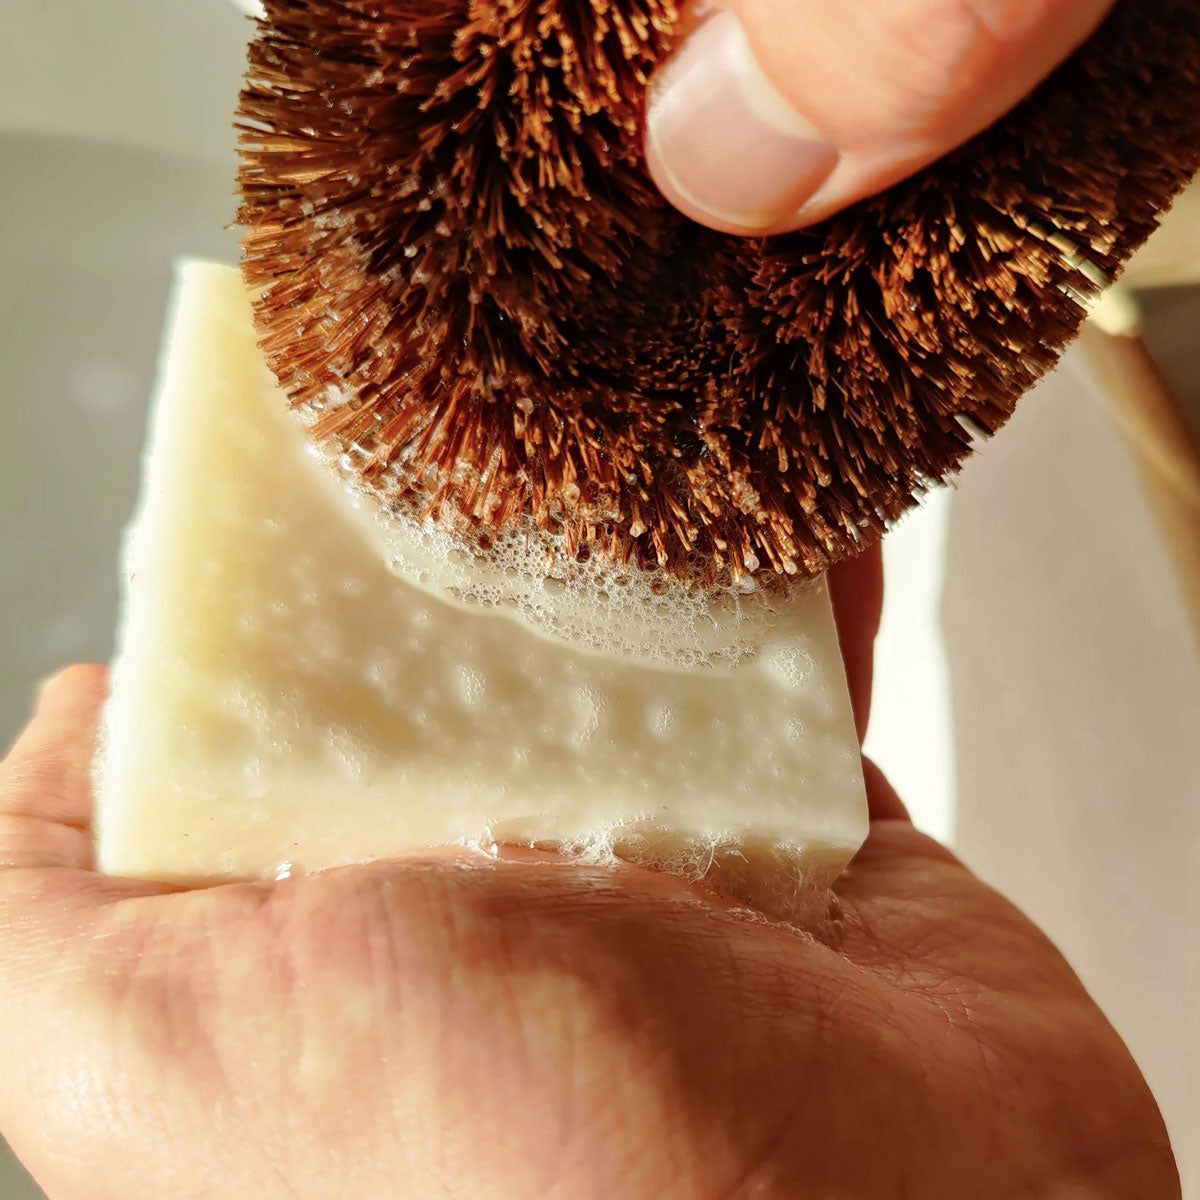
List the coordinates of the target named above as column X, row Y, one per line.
column 460, row 266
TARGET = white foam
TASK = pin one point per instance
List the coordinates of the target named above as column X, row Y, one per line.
column 621, row 611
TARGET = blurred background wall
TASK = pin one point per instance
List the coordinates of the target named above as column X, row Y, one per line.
column 1038, row 701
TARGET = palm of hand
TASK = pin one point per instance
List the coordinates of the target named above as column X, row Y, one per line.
column 467, row 1027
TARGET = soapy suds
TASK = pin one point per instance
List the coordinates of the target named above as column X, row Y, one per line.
column 622, row 611
column 781, row 881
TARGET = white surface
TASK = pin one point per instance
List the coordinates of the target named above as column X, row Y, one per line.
column 281, row 701
column 115, row 158
column 911, row 735
column 1076, row 686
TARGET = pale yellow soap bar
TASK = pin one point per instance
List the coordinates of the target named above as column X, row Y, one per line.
column 282, row 701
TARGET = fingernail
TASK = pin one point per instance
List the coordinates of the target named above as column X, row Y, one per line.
column 721, row 142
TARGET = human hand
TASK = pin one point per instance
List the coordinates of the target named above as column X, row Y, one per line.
column 774, row 114
column 524, row 1029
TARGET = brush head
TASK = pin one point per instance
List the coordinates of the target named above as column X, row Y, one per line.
column 465, row 279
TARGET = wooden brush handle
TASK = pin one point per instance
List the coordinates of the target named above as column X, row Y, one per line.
column 1164, row 446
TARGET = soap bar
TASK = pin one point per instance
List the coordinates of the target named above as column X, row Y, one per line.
column 283, row 701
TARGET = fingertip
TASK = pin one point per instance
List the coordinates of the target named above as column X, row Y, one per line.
column 81, row 684
column 47, row 774
column 70, row 685
column 883, row 802
column 721, row 143
column 772, row 115
column 856, row 592
column 857, row 588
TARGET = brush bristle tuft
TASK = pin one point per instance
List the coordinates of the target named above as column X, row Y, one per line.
column 465, row 278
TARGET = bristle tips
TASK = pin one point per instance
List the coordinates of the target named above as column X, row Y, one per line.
column 466, row 278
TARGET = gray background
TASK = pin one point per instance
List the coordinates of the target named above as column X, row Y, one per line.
column 115, row 157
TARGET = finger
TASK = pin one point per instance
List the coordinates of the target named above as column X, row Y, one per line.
column 883, row 802
column 773, row 114
column 47, row 775
column 856, row 588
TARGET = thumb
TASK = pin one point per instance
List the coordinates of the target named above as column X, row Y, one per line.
column 773, row 114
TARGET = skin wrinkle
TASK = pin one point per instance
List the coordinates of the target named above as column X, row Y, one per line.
column 628, row 1019
column 928, row 70
column 23, row 838
column 503, row 945
column 612, row 988
column 606, row 1105
column 526, row 1028
column 959, row 1018
column 283, row 973
column 355, row 937
column 94, row 1095
column 79, row 1091
column 992, row 23
column 649, row 1157
column 762, row 1170
column 39, row 949
column 268, row 974
column 182, row 1022
column 154, row 1009
column 1007, row 19
column 623, row 1001
column 1091, row 1179
column 1097, row 1175
column 964, row 1022
column 43, row 782
column 444, row 1032
column 385, row 965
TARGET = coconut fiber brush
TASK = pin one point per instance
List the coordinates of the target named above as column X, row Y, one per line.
column 465, row 279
